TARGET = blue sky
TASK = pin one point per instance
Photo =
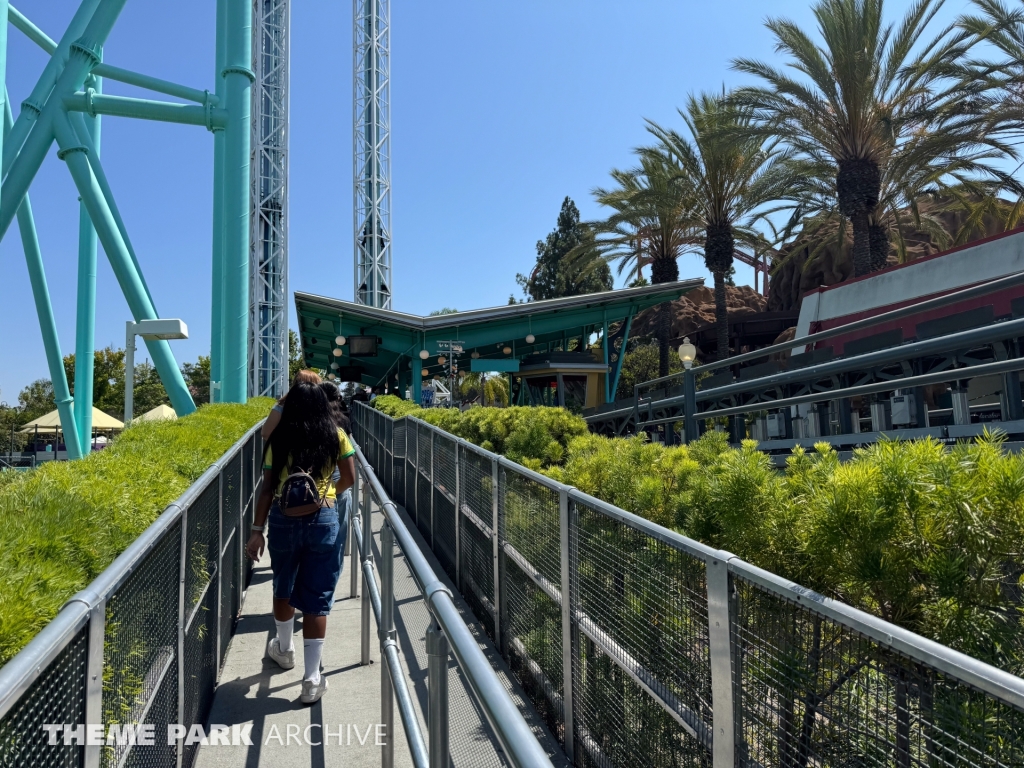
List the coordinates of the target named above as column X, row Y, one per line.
column 499, row 110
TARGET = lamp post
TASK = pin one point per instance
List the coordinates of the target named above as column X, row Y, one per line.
column 147, row 329
column 687, row 354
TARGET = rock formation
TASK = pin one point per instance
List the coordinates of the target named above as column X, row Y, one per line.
column 697, row 308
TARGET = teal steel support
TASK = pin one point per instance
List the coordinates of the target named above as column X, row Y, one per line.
column 217, row 266
column 605, row 344
column 83, row 56
column 33, row 105
column 85, row 329
column 238, row 80
column 74, row 153
column 146, row 109
column 31, row 31
column 617, row 367
column 44, row 311
column 416, row 374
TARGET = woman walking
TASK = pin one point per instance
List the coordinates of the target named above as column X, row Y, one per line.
column 304, row 506
column 274, row 418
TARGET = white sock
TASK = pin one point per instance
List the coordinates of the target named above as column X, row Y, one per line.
column 312, row 650
column 284, row 634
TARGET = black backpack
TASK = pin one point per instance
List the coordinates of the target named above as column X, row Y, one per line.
column 299, row 495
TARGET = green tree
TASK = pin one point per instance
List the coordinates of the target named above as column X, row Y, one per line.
column 197, row 377
column 36, row 400
column 107, row 379
column 295, row 361
column 654, row 221
column 733, row 173
column 555, row 275
column 443, row 311
column 640, row 365
column 870, row 96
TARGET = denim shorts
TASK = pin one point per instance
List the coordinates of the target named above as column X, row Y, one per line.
column 306, row 555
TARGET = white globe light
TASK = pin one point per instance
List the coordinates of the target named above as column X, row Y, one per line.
column 424, row 354
column 331, row 377
column 335, row 366
column 442, row 360
column 507, row 350
column 687, row 352
column 475, row 355
column 530, row 338
column 340, row 341
column 426, row 373
column 337, row 353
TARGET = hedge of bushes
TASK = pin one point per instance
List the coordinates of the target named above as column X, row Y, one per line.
column 534, row 437
column 63, row 523
column 923, row 536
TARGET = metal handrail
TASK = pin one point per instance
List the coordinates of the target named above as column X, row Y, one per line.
column 722, row 569
column 1010, row 281
column 514, row 734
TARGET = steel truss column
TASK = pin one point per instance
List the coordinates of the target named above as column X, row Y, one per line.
column 372, row 140
column 268, row 262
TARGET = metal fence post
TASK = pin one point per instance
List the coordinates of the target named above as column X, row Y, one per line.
column 182, row 566
column 496, row 555
column 567, row 654
column 220, row 566
column 437, row 695
column 433, row 450
column 387, row 635
column 94, row 679
column 458, row 520
column 354, row 560
column 719, row 635
column 366, row 556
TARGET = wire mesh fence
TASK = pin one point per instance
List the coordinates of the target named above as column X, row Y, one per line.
column 144, row 644
column 653, row 662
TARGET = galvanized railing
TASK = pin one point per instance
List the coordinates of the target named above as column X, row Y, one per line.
column 144, row 642
column 642, row 647
column 447, row 633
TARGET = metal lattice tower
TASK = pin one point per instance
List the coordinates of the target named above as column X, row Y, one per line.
column 268, row 306
column 372, row 138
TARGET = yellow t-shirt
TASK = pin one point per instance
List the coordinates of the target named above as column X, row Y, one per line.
column 328, row 473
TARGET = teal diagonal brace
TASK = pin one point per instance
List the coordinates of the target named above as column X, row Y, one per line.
column 84, row 54
column 93, row 156
column 31, row 31
column 617, row 365
column 74, row 153
column 44, row 311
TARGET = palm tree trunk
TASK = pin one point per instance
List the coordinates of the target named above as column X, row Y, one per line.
column 664, row 270
column 861, row 244
column 878, row 237
column 721, row 316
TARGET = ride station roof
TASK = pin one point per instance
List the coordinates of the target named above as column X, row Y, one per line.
column 487, row 332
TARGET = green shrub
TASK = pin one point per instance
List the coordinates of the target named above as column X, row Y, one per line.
column 535, row 437
column 63, row 523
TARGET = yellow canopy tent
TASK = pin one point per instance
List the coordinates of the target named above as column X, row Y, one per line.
column 101, row 422
column 160, row 413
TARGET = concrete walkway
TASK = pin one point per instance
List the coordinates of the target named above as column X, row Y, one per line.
column 256, row 691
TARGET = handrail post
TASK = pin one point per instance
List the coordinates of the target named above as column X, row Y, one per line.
column 387, row 635
column 94, row 678
column 353, row 553
column 433, row 450
column 720, row 641
column 567, row 650
column 220, row 565
column 437, row 693
column 496, row 555
column 458, row 520
column 182, row 567
column 366, row 556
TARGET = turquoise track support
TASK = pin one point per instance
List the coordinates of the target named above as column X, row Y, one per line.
column 217, row 292
column 85, row 329
column 238, row 80
column 74, row 153
column 44, row 311
column 83, row 56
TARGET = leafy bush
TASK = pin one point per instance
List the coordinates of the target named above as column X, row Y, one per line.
column 63, row 523
column 535, row 437
column 923, row 537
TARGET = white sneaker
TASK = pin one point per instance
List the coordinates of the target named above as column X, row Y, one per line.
column 313, row 692
column 284, row 659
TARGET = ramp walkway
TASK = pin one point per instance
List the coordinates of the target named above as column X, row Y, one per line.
column 286, row 734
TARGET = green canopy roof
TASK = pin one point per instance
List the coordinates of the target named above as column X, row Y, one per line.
column 485, row 331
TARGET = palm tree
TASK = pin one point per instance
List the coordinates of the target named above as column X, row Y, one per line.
column 868, row 93
column 733, row 173
column 653, row 222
